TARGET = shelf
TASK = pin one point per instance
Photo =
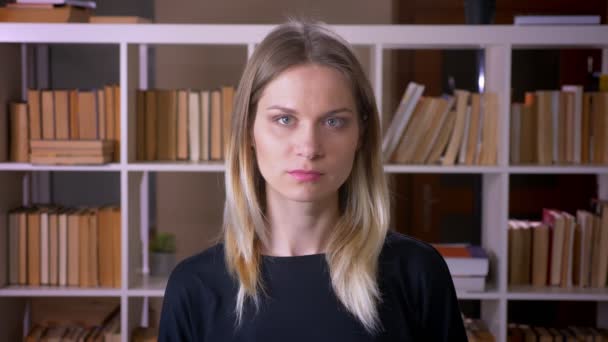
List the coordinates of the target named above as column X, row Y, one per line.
column 184, row 166
column 557, row 293
column 53, row 291
column 490, row 294
column 396, row 168
column 148, row 286
column 574, row 169
column 30, row 167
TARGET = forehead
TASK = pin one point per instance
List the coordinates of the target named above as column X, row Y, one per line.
column 309, row 84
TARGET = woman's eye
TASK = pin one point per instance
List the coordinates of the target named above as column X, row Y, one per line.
column 284, row 120
column 335, row 122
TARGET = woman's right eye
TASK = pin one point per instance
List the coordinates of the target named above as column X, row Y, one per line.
column 284, row 120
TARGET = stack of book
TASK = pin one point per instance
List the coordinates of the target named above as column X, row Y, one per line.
column 188, row 125
column 74, row 320
column 561, row 250
column 460, row 129
column 56, row 246
column 468, row 265
column 67, row 126
column 47, row 11
column 566, row 126
column 525, row 332
column 477, row 330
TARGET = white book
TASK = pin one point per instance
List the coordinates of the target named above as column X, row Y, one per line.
column 205, row 126
column 194, row 127
column 44, row 248
column 515, row 133
column 401, row 119
column 462, row 154
column 556, row 20
column 63, row 249
column 578, row 118
column 469, row 283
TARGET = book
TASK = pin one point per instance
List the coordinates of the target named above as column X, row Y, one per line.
column 464, row 259
column 19, row 147
column 59, row 14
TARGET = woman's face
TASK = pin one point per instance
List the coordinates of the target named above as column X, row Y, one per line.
column 306, row 133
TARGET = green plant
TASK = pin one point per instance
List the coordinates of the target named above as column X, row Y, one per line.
column 162, row 243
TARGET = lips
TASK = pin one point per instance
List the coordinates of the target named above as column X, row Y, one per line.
column 305, row 175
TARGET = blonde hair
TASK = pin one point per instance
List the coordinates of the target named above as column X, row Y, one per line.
column 355, row 243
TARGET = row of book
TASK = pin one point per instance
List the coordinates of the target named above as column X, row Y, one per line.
column 459, row 129
column 528, row 333
column 468, row 265
column 477, row 330
column 561, row 250
column 81, row 319
column 55, row 246
column 560, row 127
column 182, row 124
column 61, row 115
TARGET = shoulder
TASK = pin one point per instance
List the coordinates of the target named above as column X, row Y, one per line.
column 204, row 270
column 409, row 256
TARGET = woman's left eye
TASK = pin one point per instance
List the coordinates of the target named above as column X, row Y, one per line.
column 284, row 120
column 335, row 122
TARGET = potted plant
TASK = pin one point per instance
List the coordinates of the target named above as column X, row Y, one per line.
column 162, row 254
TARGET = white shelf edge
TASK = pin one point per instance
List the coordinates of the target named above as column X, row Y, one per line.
column 42, row 291
column 146, row 293
column 557, row 293
column 177, row 166
column 396, row 168
column 566, row 169
column 10, row 166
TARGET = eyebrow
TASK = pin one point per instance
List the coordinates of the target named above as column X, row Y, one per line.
column 293, row 111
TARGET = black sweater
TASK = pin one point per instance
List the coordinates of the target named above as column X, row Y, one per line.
column 418, row 300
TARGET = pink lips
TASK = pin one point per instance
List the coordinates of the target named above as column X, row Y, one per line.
column 305, row 176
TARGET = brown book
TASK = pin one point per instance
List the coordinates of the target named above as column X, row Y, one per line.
column 489, row 133
column 116, row 247
column 108, row 19
column 562, row 128
column 431, row 130
column 586, row 129
column 182, row 125
column 104, row 234
column 216, row 125
column 73, row 248
column 83, row 248
column 540, row 254
column 71, row 144
column 101, row 112
column 19, row 133
column 566, row 272
column 110, row 125
column 35, row 115
column 544, row 127
column 93, row 252
column 462, row 98
column 227, row 105
column 70, row 153
column 474, row 130
column 600, row 127
column 53, row 249
column 602, row 266
column 151, row 132
column 62, row 114
column 63, row 248
column 76, row 160
column 140, row 125
column 205, row 123
column 73, row 114
column 528, row 148
column 48, row 115
column 12, row 244
column 57, row 14
column 117, row 122
column 33, row 248
column 22, row 220
column 166, row 103
column 442, row 139
column 88, row 115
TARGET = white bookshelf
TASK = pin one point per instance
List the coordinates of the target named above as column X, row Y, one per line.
column 133, row 40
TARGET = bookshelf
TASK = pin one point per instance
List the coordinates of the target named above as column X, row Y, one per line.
column 133, row 41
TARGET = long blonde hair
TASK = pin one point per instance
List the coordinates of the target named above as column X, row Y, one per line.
column 355, row 243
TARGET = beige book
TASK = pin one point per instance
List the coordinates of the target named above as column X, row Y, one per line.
column 568, row 251
column 104, row 233
column 182, row 125
column 194, row 127
column 400, row 120
column 53, row 249
column 13, row 249
column 71, row 144
column 540, row 254
column 140, row 125
column 34, row 113
column 432, row 130
column 83, row 248
column 117, row 248
column 586, row 129
column 58, row 14
column 216, row 125
column 227, row 104
column 151, row 134
column 110, row 116
column 406, row 147
column 108, row 19
column 63, row 249
column 19, row 133
column 33, row 248
column 62, row 114
column 489, row 134
column 585, row 221
column 205, row 123
column 462, row 98
column 474, row 130
column 442, row 139
column 600, row 127
column 557, row 249
column 74, row 117
column 101, row 114
column 87, row 115
column 44, row 247
column 22, row 218
column 562, row 128
column 73, row 256
column 528, row 149
column 64, row 160
column 602, row 267
column 48, row 115
column 117, row 122
column 93, row 245
column 545, row 129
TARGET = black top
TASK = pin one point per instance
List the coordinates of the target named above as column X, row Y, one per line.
column 418, row 300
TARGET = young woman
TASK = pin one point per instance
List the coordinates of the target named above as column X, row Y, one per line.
column 306, row 254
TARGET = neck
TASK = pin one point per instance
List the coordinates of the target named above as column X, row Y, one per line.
column 299, row 228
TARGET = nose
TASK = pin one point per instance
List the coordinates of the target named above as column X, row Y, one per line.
column 308, row 142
